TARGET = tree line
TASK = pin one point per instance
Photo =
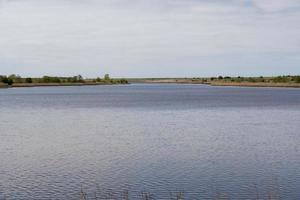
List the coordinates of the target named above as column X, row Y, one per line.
column 16, row 79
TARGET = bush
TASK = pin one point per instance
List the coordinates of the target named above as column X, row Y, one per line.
column 98, row 79
column 280, row 79
column 15, row 78
column 252, row 80
column 106, row 77
column 49, row 79
column 123, row 81
column 28, row 80
column 6, row 80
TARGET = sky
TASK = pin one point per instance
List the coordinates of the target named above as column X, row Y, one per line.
column 150, row 38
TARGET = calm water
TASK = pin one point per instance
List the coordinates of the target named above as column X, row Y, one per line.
column 206, row 141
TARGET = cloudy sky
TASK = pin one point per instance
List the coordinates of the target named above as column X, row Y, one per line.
column 150, row 38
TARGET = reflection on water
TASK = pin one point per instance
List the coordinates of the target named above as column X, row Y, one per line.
column 205, row 141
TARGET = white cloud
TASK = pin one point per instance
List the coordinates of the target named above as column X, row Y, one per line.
column 139, row 37
column 276, row 5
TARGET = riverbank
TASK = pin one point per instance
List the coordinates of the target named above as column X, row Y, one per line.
column 216, row 82
column 47, row 81
column 205, row 81
column 2, row 85
column 168, row 80
column 55, row 84
column 259, row 84
column 18, row 85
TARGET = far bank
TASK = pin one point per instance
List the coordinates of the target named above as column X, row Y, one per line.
column 47, row 81
column 279, row 81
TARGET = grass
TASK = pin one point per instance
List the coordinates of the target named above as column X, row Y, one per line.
column 18, row 81
column 255, row 84
column 278, row 81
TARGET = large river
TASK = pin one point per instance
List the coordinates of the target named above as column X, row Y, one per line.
column 208, row 142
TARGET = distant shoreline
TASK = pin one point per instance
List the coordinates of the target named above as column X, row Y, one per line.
column 13, row 80
column 262, row 84
column 224, row 84
column 162, row 81
column 18, row 85
column 215, row 83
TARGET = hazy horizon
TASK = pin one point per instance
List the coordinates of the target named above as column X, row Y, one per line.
column 140, row 38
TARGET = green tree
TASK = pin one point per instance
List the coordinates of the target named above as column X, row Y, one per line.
column 7, row 80
column 98, row 79
column 251, row 79
column 49, row 79
column 45, row 79
column 15, row 78
column 28, row 80
column 1, row 78
column 280, row 79
column 79, row 78
column 123, row 81
column 106, row 77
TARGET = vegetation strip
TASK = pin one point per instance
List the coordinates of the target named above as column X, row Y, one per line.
column 279, row 81
column 18, row 81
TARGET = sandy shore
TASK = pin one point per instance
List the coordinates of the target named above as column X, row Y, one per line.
column 2, row 85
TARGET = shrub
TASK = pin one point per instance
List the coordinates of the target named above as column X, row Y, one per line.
column 280, row 79
column 106, row 77
column 49, row 79
column 15, row 78
column 98, row 79
column 6, row 80
column 123, row 81
column 28, row 80
column 252, row 80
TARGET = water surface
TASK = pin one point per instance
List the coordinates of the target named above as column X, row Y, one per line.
column 207, row 141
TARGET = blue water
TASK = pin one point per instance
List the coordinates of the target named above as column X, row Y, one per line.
column 208, row 142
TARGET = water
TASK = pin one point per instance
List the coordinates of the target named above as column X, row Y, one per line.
column 207, row 141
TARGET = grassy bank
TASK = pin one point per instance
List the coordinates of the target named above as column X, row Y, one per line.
column 18, row 81
column 168, row 80
column 279, row 81
column 56, row 84
column 257, row 84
